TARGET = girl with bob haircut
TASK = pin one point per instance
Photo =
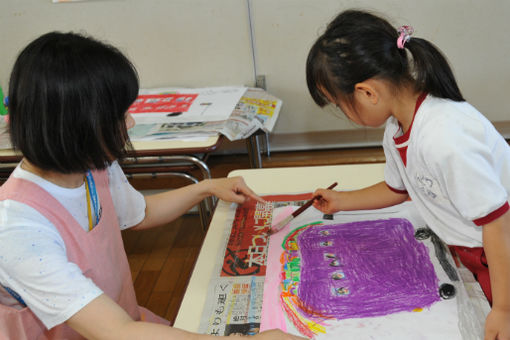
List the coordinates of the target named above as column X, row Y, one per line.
column 440, row 151
column 64, row 273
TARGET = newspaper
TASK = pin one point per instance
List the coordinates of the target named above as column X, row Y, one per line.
column 235, row 306
column 234, row 298
column 255, row 110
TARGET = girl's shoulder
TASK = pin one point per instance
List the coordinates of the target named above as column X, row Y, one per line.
column 441, row 110
column 114, row 170
column 117, row 180
column 445, row 129
column 443, row 121
column 129, row 203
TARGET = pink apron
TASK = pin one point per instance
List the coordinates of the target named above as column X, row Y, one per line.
column 99, row 253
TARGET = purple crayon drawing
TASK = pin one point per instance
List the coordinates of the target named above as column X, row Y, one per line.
column 364, row 269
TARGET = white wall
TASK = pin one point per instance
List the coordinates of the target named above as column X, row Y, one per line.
column 472, row 34
column 207, row 42
column 171, row 42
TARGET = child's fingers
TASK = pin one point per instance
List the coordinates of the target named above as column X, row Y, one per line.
column 317, row 205
column 320, row 192
column 248, row 192
column 321, row 204
column 244, row 189
column 237, row 198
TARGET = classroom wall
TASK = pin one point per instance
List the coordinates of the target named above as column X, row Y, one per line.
column 191, row 43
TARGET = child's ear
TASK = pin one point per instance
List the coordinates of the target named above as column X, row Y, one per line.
column 366, row 92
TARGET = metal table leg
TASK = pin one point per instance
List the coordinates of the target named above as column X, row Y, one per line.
column 253, row 146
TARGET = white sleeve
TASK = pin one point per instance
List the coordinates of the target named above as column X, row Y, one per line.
column 392, row 175
column 129, row 203
column 33, row 263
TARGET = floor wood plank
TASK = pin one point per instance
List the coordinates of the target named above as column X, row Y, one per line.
column 171, row 271
column 160, row 252
column 159, row 303
column 144, row 285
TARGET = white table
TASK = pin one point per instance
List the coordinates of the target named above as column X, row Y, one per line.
column 264, row 181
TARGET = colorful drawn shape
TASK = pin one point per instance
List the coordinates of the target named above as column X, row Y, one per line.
column 379, row 269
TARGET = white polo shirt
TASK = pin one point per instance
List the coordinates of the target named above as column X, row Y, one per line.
column 456, row 170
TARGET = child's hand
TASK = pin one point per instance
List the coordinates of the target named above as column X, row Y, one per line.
column 497, row 325
column 232, row 189
column 276, row 334
column 328, row 202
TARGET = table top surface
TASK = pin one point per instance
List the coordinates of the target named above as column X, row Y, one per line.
column 174, row 146
column 264, row 181
column 154, row 148
column 176, row 143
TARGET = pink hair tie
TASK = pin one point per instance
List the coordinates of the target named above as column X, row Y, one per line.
column 405, row 35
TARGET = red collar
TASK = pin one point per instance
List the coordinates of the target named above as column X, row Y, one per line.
column 405, row 137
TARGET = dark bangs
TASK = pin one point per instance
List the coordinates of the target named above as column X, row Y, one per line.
column 329, row 69
column 318, row 76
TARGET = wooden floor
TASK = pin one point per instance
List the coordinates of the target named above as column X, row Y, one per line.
column 162, row 259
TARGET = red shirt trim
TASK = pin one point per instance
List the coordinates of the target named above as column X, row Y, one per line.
column 398, row 191
column 493, row 215
column 402, row 150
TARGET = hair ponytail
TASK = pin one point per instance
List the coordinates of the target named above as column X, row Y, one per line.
column 432, row 73
column 358, row 45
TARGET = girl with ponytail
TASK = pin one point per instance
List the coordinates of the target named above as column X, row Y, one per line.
column 440, row 151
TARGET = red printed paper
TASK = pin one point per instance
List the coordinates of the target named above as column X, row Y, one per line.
column 246, row 252
column 161, row 103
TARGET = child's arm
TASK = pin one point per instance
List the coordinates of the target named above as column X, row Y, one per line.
column 103, row 319
column 496, row 243
column 374, row 197
column 167, row 206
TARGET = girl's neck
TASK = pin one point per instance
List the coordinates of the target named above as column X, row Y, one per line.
column 74, row 180
column 404, row 106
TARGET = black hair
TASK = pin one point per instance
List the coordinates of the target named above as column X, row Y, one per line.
column 68, row 95
column 358, row 45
